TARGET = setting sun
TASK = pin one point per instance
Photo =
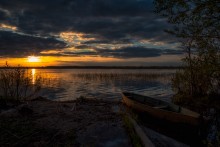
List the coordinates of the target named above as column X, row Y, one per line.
column 33, row 59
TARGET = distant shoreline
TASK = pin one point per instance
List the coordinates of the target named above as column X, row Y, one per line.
column 99, row 67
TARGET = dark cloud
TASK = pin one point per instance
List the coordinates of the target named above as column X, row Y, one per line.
column 71, row 54
column 108, row 21
column 108, row 41
column 111, row 19
column 56, row 15
column 82, row 47
column 135, row 52
column 12, row 44
column 125, row 29
column 122, row 53
column 130, row 52
column 172, row 52
column 2, row 15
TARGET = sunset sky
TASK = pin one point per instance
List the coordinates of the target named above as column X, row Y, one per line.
column 85, row 32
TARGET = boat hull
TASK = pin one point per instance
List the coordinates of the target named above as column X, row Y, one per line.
column 161, row 113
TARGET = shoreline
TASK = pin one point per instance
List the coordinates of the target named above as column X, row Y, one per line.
column 81, row 122
column 94, row 67
column 42, row 122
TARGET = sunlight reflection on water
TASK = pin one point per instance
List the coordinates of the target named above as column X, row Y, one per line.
column 33, row 74
column 68, row 84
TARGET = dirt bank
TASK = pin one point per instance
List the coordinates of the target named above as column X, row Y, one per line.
column 84, row 122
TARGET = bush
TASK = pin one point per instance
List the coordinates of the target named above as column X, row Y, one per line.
column 16, row 84
column 199, row 80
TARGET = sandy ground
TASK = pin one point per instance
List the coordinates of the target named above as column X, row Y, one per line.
column 85, row 122
column 47, row 123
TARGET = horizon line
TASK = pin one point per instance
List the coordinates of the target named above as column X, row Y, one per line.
column 94, row 67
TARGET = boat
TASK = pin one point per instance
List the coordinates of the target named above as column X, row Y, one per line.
column 160, row 109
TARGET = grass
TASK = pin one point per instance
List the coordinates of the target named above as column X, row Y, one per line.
column 135, row 139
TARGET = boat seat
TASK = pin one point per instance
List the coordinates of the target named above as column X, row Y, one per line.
column 161, row 107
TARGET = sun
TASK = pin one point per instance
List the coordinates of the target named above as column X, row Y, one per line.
column 33, row 59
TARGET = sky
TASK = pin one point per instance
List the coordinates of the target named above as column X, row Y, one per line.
column 85, row 33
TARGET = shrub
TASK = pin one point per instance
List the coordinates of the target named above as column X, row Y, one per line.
column 16, row 84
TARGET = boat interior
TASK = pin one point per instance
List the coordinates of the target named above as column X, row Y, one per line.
column 152, row 102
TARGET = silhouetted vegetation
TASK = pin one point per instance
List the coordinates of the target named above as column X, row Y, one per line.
column 124, row 76
column 18, row 84
column 101, row 67
column 197, row 24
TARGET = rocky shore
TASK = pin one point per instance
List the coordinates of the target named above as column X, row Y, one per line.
column 83, row 122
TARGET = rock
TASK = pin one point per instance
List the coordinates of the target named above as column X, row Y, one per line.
column 40, row 98
column 9, row 113
column 25, row 109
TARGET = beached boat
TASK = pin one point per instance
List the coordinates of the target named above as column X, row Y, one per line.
column 160, row 109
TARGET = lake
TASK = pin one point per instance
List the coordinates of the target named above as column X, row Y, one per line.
column 69, row 84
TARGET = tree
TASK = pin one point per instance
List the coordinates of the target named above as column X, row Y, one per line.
column 197, row 23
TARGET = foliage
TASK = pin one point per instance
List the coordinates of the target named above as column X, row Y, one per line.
column 16, row 84
column 135, row 139
column 197, row 23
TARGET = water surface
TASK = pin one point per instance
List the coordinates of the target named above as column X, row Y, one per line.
column 69, row 84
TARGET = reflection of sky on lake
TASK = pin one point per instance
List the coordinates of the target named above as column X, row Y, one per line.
column 66, row 85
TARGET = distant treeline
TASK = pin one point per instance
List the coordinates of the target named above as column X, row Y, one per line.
column 101, row 67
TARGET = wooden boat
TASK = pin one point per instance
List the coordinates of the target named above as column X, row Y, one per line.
column 160, row 109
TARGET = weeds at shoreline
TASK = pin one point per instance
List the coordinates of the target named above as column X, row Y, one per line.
column 135, row 139
column 18, row 85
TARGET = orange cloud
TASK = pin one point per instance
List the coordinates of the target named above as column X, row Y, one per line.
column 74, row 37
column 7, row 27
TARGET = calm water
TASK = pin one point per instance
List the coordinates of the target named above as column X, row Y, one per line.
column 69, row 84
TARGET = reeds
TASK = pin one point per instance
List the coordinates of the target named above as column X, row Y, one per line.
column 124, row 76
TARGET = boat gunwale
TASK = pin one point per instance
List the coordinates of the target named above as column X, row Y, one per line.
column 197, row 115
